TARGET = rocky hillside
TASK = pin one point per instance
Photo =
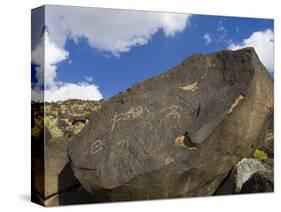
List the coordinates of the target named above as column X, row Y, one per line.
column 64, row 118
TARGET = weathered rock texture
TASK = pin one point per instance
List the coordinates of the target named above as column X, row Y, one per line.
column 252, row 175
column 133, row 147
column 258, row 182
column 53, row 124
column 61, row 186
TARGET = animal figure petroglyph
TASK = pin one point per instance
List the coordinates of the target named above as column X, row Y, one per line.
column 172, row 111
column 131, row 114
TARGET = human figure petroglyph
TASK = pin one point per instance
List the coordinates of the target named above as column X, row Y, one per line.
column 173, row 111
column 131, row 114
column 96, row 147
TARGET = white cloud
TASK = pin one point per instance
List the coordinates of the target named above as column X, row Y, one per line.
column 88, row 78
column 115, row 31
column 46, row 56
column 207, row 38
column 66, row 91
column 107, row 30
column 263, row 42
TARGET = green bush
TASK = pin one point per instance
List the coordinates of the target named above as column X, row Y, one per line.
column 260, row 155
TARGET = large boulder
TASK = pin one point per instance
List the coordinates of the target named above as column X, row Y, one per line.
column 178, row 134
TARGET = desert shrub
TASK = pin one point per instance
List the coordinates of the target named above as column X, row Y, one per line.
column 260, row 154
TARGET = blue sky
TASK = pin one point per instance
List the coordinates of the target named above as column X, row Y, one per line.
column 88, row 60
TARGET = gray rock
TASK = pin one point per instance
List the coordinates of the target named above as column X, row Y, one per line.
column 56, row 160
column 61, row 186
column 53, row 181
column 133, row 147
column 258, row 182
column 246, row 168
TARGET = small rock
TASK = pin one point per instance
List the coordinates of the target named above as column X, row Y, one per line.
column 246, row 168
column 258, row 182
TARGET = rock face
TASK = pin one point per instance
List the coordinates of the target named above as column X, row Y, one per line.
column 53, row 181
column 178, row 134
column 252, row 175
column 61, row 187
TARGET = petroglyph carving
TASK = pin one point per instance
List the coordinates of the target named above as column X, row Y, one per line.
column 147, row 121
column 179, row 141
column 172, row 111
column 120, row 146
column 234, row 105
column 148, row 111
column 149, row 125
column 123, row 143
column 191, row 87
column 96, row 147
column 169, row 160
column 131, row 114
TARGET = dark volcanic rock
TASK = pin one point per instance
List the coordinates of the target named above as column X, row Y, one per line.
column 267, row 144
column 61, row 186
column 229, row 184
column 134, row 147
column 53, row 181
column 257, row 183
